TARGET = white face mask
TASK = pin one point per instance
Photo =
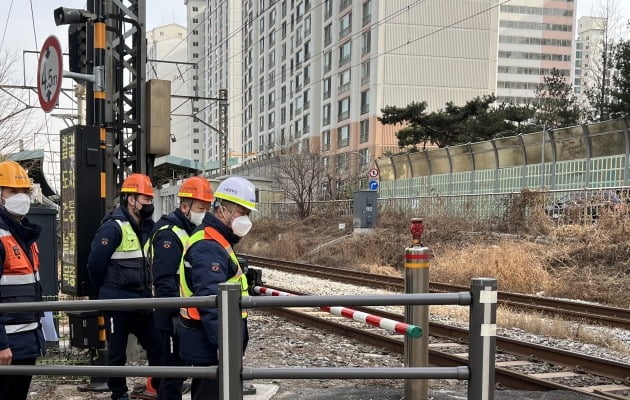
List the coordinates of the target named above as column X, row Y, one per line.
column 241, row 225
column 197, row 217
column 19, row 204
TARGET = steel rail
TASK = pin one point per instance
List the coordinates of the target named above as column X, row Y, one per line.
column 604, row 315
column 504, row 376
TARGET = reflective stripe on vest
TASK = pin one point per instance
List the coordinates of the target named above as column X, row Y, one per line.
column 181, row 235
column 21, row 327
column 129, row 246
column 208, row 234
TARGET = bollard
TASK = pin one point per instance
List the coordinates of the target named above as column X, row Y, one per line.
column 230, row 342
column 417, row 281
column 482, row 340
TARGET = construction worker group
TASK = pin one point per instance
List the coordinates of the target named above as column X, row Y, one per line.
column 187, row 252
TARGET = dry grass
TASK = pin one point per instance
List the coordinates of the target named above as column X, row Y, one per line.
column 524, row 249
column 518, row 267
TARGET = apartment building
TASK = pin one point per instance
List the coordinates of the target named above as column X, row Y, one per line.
column 316, row 74
column 588, row 55
column 166, row 49
column 215, row 49
column 535, row 36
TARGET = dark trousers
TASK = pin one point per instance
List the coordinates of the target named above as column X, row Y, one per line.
column 208, row 389
column 170, row 388
column 15, row 387
column 119, row 326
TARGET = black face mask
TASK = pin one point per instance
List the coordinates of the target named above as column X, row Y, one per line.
column 146, row 211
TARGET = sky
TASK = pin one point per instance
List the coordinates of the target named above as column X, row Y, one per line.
column 23, row 29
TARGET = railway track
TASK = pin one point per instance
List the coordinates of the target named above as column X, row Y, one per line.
column 519, row 365
column 608, row 316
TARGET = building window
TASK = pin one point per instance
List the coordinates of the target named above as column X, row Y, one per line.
column 195, row 140
column 326, row 87
column 196, row 151
column 345, row 25
column 327, row 35
column 343, row 108
column 195, row 9
column 364, row 158
column 365, row 72
column 345, row 53
column 195, row 20
column 326, row 114
column 365, row 101
column 343, row 136
column 367, row 42
column 342, row 163
column 325, row 140
column 328, row 7
column 364, row 131
column 344, row 81
column 367, row 12
column 306, row 124
column 327, row 61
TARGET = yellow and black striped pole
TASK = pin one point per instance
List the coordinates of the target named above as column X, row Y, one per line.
column 417, row 260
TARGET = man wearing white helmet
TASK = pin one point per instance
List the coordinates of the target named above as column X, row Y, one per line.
column 208, row 261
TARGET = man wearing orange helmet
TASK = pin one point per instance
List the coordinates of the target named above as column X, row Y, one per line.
column 165, row 252
column 118, row 269
column 21, row 338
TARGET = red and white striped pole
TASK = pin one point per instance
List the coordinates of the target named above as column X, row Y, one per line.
column 374, row 320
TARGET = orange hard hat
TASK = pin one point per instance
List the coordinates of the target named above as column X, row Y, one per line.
column 13, row 175
column 137, row 184
column 196, row 187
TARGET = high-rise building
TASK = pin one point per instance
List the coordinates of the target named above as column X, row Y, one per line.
column 166, row 49
column 316, row 74
column 588, row 55
column 215, row 49
column 535, row 36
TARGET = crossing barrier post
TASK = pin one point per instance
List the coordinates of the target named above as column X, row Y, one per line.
column 417, row 258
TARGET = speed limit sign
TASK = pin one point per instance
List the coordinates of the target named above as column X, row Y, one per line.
column 49, row 73
column 373, row 173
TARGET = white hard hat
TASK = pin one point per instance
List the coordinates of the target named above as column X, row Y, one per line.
column 237, row 190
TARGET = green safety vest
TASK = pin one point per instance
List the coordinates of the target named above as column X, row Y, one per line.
column 208, row 234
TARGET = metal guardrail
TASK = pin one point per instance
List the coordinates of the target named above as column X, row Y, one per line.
column 231, row 372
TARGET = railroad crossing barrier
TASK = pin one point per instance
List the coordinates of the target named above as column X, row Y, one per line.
column 374, row 320
column 231, row 371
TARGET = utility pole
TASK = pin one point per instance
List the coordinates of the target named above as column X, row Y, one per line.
column 223, row 133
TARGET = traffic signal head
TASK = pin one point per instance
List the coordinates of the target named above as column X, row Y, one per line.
column 78, row 48
column 64, row 16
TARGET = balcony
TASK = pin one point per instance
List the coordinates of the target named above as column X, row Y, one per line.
column 325, row 146
column 365, row 79
column 365, row 108
column 325, row 121
column 344, row 4
column 343, row 88
column 367, row 19
column 344, row 60
column 343, row 143
column 343, row 115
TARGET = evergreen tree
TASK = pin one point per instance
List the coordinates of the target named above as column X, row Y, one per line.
column 555, row 103
column 620, row 92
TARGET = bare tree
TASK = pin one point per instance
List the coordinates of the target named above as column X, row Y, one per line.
column 16, row 130
column 598, row 66
column 299, row 175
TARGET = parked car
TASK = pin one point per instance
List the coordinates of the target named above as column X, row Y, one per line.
column 582, row 206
